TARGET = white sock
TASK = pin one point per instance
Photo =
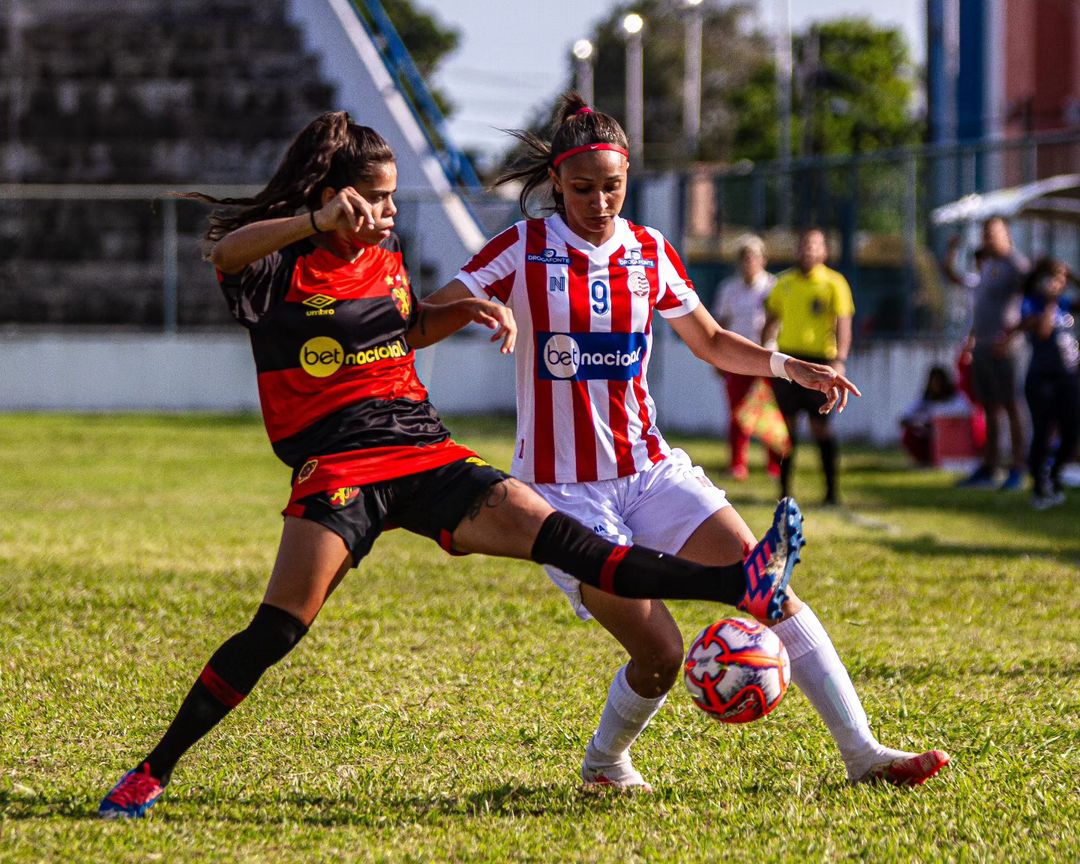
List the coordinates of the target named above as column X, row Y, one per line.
column 625, row 715
column 817, row 670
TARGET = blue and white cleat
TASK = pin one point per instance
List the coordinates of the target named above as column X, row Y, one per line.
column 133, row 796
column 768, row 566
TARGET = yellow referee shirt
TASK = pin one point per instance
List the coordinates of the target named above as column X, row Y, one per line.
column 807, row 306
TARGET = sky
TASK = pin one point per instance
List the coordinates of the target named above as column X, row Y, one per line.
column 512, row 55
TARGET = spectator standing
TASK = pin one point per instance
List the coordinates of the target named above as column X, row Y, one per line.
column 812, row 306
column 740, row 307
column 998, row 289
column 1052, row 386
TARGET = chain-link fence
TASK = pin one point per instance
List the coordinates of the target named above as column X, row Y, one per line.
column 876, row 210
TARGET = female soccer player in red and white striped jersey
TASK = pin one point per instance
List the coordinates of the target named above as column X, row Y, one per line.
column 310, row 268
column 583, row 284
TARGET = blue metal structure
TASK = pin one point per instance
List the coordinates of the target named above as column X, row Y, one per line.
column 399, row 63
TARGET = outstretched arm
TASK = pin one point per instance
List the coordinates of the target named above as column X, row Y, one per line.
column 451, row 292
column 347, row 210
column 730, row 352
column 437, row 321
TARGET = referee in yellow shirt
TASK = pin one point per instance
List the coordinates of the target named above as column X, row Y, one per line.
column 812, row 307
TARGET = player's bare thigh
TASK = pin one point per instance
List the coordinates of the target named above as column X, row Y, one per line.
column 722, row 539
column 311, row 562
column 504, row 521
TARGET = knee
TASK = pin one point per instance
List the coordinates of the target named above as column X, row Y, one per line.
column 659, row 666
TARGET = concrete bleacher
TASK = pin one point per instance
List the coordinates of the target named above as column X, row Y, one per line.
column 185, row 93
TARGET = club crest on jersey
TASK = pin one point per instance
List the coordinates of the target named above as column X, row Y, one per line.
column 589, row 356
column 633, row 259
column 638, row 283
column 343, row 497
column 549, row 256
column 307, row 470
column 402, row 300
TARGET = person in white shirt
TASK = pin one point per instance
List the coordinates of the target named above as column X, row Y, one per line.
column 740, row 308
column 583, row 284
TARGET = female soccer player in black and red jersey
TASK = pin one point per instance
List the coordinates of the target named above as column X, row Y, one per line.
column 583, row 284
column 310, row 268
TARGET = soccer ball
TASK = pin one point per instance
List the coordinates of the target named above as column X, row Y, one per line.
column 736, row 670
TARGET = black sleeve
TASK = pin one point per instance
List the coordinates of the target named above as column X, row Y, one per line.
column 254, row 291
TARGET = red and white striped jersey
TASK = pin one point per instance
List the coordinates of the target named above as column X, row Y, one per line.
column 584, row 316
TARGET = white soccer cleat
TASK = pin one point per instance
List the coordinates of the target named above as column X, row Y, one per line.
column 619, row 776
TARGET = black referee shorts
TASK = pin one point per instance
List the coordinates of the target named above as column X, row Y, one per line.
column 791, row 398
column 431, row 503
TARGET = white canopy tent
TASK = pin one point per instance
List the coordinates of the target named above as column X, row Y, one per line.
column 1053, row 198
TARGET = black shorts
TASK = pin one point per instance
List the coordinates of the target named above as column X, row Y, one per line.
column 994, row 376
column 791, row 398
column 431, row 503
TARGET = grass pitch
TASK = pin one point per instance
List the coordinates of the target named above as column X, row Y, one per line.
column 438, row 709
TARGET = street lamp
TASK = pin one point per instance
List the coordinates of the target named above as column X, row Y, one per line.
column 583, row 68
column 782, row 47
column 635, row 87
column 692, row 77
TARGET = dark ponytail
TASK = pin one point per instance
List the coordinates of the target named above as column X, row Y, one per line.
column 331, row 151
column 576, row 125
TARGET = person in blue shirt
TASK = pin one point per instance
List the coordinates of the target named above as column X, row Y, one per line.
column 1052, row 386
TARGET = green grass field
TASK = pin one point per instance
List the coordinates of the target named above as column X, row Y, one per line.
column 438, row 709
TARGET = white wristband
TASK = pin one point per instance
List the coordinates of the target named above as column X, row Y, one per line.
column 776, row 364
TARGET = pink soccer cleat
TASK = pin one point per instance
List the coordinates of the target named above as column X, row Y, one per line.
column 768, row 566
column 133, row 796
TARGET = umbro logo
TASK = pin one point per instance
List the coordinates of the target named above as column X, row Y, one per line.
column 319, row 304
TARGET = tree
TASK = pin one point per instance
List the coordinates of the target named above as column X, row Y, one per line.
column 427, row 39
column 854, row 86
column 854, row 93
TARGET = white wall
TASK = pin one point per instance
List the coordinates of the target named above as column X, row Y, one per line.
column 466, row 375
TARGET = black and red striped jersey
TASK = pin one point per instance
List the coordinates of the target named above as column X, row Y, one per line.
column 339, row 393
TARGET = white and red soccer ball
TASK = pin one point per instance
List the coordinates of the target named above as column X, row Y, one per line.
column 736, row 670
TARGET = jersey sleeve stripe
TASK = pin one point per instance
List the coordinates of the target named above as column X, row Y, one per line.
column 494, row 248
column 676, row 262
column 501, row 288
column 543, row 439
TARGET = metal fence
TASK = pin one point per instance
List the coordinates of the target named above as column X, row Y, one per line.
column 876, row 208
column 116, row 255
column 132, row 255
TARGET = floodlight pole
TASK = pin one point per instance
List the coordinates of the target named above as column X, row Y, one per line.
column 782, row 48
column 692, row 77
column 635, row 88
column 583, row 69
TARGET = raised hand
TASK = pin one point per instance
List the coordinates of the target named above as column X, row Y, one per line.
column 496, row 317
column 825, row 379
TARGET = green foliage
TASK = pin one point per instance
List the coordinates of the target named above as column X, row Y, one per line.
column 438, row 709
column 427, row 39
column 855, row 96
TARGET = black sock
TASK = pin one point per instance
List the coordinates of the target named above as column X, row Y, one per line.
column 827, row 446
column 787, row 464
column 632, row 571
column 230, row 675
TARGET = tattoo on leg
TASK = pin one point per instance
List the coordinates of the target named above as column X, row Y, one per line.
column 493, row 496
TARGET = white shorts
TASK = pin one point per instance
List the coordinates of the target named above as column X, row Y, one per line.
column 659, row 507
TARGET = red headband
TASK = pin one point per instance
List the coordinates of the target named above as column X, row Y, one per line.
column 587, row 148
